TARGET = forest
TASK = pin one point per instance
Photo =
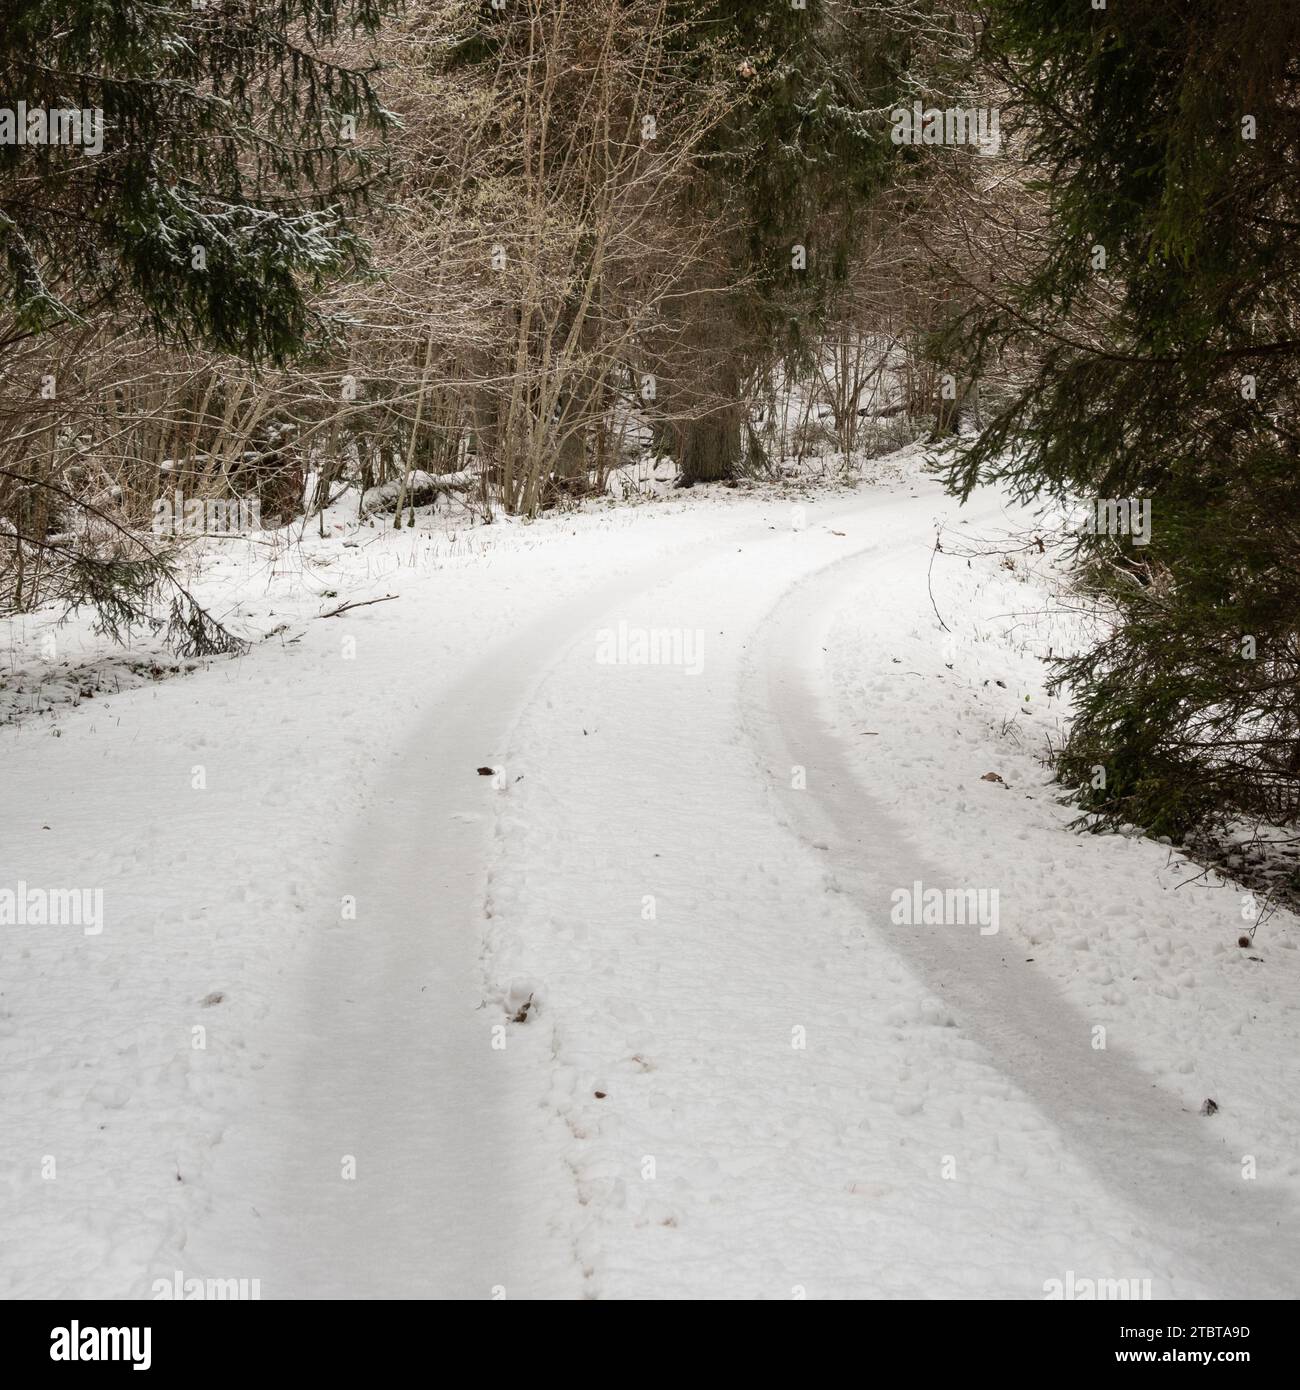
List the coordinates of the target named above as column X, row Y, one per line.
column 650, row 649
column 502, row 249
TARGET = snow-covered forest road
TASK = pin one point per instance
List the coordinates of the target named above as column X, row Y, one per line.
column 632, row 1016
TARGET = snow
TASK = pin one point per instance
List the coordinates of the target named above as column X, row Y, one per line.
column 732, row 1074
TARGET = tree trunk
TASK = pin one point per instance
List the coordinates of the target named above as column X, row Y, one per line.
column 708, row 436
column 708, row 449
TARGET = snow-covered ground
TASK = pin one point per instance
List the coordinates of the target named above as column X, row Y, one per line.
column 632, row 1014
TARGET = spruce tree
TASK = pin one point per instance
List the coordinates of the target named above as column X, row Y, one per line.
column 190, row 164
column 218, row 187
column 803, row 150
column 1161, row 317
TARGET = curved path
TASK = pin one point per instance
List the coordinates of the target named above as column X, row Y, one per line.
column 732, row 1078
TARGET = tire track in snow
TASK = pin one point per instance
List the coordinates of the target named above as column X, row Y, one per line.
column 668, row 1038
column 382, row 1054
column 1133, row 1136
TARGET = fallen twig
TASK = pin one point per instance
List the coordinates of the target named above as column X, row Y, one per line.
column 361, row 603
column 928, row 585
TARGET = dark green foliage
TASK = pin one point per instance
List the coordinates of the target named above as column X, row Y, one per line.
column 124, row 594
column 804, row 147
column 1172, row 374
column 102, row 566
column 801, row 152
column 203, row 185
column 222, row 131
